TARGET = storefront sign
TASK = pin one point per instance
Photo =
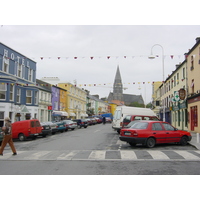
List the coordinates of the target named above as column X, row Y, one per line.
column 182, row 94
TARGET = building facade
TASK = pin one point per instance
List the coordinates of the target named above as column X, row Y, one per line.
column 44, row 101
column 76, row 101
column 18, row 89
column 193, row 71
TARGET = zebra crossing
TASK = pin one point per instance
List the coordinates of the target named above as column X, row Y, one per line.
column 105, row 155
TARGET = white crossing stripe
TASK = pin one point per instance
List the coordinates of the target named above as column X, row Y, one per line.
column 37, row 155
column 158, row 155
column 68, row 156
column 97, row 155
column 197, row 152
column 128, row 155
column 187, row 155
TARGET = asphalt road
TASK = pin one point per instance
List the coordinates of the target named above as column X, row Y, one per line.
column 97, row 150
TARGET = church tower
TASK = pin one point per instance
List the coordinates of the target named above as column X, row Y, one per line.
column 118, row 87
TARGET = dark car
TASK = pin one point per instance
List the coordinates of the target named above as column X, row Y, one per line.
column 46, row 129
column 1, row 136
column 81, row 123
column 54, row 127
column 150, row 133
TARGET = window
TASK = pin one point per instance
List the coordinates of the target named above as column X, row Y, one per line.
column 192, row 63
column 183, row 73
column 168, row 127
column 5, row 65
column 177, row 78
column 11, row 92
column 30, row 74
column 18, row 100
column 157, row 127
column 19, row 70
column 140, row 125
column 28, row 96
column 36, row 97
column 174, row 81
column 3, row 89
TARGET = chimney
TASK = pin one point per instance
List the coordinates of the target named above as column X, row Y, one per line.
column 197, row 39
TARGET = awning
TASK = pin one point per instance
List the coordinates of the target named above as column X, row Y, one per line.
column 60, row 113
column 72, row 114
column 84, row 115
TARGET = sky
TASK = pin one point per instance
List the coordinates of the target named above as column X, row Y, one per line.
column 100, row 49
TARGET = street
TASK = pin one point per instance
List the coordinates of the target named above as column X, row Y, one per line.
column 97, row 150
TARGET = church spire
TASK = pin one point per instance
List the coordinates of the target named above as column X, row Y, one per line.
column 117, row 86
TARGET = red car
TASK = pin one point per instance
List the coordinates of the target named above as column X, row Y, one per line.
column 150, row 133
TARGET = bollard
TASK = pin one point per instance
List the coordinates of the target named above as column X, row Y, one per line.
column 197, row 137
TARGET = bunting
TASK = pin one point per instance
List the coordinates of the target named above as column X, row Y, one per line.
column 94, row 57
column 86, row 85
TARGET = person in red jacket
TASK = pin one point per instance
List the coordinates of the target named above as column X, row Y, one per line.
column 7, row 138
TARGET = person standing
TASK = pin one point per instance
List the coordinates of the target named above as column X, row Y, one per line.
column 7, row 138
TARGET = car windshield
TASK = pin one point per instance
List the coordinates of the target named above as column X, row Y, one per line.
column 139, row 125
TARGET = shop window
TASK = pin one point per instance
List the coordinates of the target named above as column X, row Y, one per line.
column 3, row 89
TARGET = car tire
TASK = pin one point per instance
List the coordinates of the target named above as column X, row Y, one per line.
column 150, row 142
column 21, row 137
column 184, row 141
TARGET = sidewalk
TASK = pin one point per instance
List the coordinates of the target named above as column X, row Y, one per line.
column 193, row 142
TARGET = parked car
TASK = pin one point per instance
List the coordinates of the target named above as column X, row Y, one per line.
column 1, row 136
column 99, row 120
column 60, row 126
column 46, row 129
column 128, row 118
column 54, row 127
column 89, row 121
column 108, row 120
column 26, row 129
column 94, row 121
column 70, row 124
column 81, row 123
column 150, row 133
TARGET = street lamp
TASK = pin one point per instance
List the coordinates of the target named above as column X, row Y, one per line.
column 152, row 57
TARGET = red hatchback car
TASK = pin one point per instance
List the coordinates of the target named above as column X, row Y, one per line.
column 150, row 133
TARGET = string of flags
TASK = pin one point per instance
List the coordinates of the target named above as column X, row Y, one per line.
column 86, row 85
column 99, row 57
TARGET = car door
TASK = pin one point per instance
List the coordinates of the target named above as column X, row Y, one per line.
column 172, row 134
column 158, row 132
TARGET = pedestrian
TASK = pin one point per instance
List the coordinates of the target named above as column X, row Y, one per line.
column 104, row 120
column 7, row 137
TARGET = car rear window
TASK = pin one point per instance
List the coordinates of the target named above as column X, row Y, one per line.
column 140, row 125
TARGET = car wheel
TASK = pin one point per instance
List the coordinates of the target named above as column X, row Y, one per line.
column 150, row 142
column 184, row 141
column 21, row 137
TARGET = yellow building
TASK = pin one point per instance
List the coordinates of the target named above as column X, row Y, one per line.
column 193, row 71
column 75, row 101
column 63, row 100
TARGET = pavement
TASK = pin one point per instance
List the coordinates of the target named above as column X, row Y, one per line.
column 195, row 140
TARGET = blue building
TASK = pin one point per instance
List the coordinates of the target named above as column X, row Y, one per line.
column 18, row 88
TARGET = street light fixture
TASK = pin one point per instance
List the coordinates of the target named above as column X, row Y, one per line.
column 152, row 57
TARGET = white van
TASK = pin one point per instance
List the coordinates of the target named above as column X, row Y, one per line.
column 122, row 111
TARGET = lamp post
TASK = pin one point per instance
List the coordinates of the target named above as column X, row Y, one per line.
column 152, row 57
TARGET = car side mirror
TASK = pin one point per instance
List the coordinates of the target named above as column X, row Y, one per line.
column 176, row 129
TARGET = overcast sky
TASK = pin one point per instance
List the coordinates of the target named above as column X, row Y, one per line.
column 125, row 45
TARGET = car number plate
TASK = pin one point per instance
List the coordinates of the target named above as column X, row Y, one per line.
column 127, row 133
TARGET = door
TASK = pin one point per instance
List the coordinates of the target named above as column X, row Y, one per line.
column 172, row 135
column 194, row 114
column 158, row 132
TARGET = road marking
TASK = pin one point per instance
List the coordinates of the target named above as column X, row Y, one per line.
column 37, row 155
column 128, row 155
column 96, row 131
column 186, row 155
column 158, row 155
column 68, row 156
column 119, row 142
column 97, row 155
